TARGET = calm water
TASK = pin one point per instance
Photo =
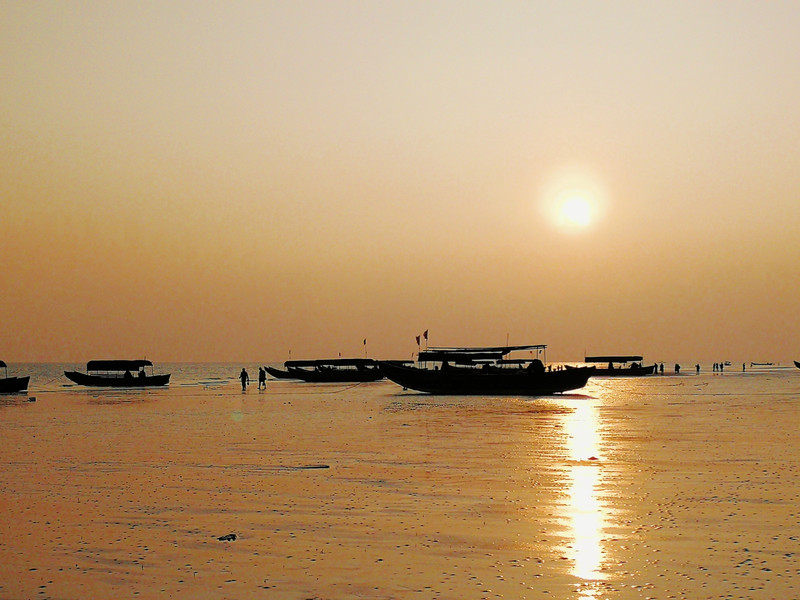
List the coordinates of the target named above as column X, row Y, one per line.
column 659, row 487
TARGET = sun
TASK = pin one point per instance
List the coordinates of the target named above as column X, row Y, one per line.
column 573, row 200
column 575, row 211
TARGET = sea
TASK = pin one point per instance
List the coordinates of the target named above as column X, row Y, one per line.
column 675, row 486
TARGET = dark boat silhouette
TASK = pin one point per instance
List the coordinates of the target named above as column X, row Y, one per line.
column 331, row 370
column 484, row 371
column 797, row 364
column 12, row 385
column 117, row 373
column 620, row 366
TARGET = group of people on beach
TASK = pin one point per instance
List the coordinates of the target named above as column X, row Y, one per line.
column 262, row 378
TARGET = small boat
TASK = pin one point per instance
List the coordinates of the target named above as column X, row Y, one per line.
column 484, row 371
column 117, row 373
column 797, row 364
column 763, row 364
column 12, row 385
column 331, row 370
column 620, row 366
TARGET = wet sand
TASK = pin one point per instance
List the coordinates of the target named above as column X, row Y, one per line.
column 666, row 487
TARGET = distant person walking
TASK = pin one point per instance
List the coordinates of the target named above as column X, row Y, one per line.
column 697, row 368
column 262, row 377
column 677, row 368
column 661, row 368
column 245, row 379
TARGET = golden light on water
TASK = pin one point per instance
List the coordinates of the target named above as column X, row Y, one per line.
column 586, row 516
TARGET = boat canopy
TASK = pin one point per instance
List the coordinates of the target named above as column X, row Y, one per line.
column 117, row 365
column 332, row 362
column 468, row 355
column 612, row 359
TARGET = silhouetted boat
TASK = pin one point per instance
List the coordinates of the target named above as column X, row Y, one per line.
column 279, row 374
column 797, row 364
column 12, row 385
column 484, row 371
column 331, row 370
column 117, row 373
column 620, row 366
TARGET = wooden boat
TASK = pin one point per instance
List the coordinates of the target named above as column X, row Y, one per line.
column 279, row 374
column 620, row 366
column 484, row 371
column 331, row 370
column 117, row 373
column 12, row 385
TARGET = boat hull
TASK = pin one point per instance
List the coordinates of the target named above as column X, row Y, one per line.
column 279, row 373
column 100, row 381
column 797, row 364
column 492, row 382
column 623, row 371
column 13, row 385
column 334, row 375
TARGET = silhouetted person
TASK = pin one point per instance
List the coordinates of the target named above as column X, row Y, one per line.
column 128, row 375
column 262, row 378
column 677, row 368
column 141, row 374
column 742, row 367
column 245, row 379
column 661, row 368
column 697, row 368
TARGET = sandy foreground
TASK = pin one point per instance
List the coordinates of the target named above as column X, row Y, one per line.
column 669, row 487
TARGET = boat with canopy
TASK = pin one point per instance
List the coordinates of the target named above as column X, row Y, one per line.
column 331, row 370
column 12, row 385
column 118, row 373
column 485, row 371
column 617, row 365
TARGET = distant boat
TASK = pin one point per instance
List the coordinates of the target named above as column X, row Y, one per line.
column 797, row 364
column 12, row 385
column 117, row 373
column 330, row 370
column 484, row 371
column 620, row 366
column 762, row 364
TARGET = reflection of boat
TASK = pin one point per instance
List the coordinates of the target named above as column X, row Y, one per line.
column 329, row 370
column 620, row 366
column 484, row 371
column 117, row 373
column 11, row 385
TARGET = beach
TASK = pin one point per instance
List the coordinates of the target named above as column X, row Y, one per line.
column 658, row 487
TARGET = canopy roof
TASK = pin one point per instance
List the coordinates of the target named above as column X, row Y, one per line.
column 461, row 355
column 117, row 365
column 611, row 358
column 332, row 362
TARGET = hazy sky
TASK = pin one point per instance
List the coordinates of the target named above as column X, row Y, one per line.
column 194, row 181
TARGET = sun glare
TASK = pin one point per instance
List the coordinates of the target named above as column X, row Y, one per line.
column 576, row 211
column 572, row 199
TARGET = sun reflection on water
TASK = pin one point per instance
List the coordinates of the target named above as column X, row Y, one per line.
column 586, row 514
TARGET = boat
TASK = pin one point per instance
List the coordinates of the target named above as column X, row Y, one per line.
column 279, row 374
column 118, row 373
column 484, row 371
column 620, row 366
column 330, row 370
column 12, row 385
column 797, row 364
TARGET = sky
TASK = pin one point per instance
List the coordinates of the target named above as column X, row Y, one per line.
column 245, row 181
